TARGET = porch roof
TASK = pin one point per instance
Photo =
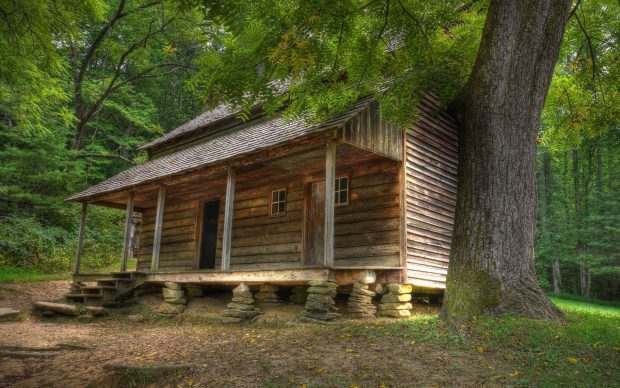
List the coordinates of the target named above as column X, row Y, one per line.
column 236, row 142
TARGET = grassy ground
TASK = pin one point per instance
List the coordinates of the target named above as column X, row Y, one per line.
column 14, row 274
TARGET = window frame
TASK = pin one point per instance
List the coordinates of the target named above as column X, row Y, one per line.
column 338, row 190
column 271, row 202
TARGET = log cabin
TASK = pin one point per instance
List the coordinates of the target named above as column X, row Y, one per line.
column 268, row 200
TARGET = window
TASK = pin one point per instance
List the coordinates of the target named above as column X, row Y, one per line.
column 342, row 190
column 278, row 202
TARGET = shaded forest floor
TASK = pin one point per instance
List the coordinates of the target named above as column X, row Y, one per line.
column 275, row 351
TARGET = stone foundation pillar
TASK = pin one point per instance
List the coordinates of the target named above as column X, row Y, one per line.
column 268, row 294
column 360, row 304
column 395, row 303
column 174, row 300
column 320, row 305
column 242, row 306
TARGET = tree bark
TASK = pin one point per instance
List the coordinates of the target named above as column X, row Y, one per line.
column 492, row 259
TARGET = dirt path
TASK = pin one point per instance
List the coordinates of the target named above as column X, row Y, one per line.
column 267, row 353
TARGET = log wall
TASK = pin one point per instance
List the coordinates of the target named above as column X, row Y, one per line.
column 430, row 195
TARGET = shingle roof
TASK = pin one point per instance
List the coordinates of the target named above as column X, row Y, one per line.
column 229, row 144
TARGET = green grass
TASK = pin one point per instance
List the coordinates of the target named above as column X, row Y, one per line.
column 15, row 274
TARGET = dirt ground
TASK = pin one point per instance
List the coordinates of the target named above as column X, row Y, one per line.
column 274, row 351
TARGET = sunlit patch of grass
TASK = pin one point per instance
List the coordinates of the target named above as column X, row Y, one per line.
column 15, row 274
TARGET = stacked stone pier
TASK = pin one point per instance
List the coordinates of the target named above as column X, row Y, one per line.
column 320, row 305
column 396, row 302
column 359, row 304
column 174, row 300
column 242, row 306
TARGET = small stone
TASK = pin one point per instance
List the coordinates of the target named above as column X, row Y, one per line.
column 239, row 313
column 242, row 300
column 395, row 306
column 136, row 318
column 394, row 298
column 359, row 291
column 6, row 312
column 239, row 306
column 177, row 300
column 170, row 308
column 241, row 288
column 173, row 286
column 96, row 311
column 395, row 313
column 396, row 288
column 85, row 318
column 172, row 294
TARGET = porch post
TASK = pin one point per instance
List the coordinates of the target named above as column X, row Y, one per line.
column 128, row 224
column 228, row 217
column 330, row 181
column 80, row 241
column 159, row 219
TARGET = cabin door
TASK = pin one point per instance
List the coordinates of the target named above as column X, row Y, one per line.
column 315, row 223
column 208, row 239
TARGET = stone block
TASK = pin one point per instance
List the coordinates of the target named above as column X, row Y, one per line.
column 173, row 286
column 172, row 294
column 396, row 288
column 395, row 313
column 395, row 298
column 170, row 308
column 395, row 306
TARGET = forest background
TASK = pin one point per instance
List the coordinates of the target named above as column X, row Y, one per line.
column 81, row 87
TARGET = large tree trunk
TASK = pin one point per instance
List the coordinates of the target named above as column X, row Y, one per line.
column 492, row 260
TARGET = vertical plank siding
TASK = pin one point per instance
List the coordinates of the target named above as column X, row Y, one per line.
column 431, row 165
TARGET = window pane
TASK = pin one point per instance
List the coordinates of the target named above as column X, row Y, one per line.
column 337, row 186
column 274, row 208
column 282, row 195
column 281, row 207
column 343, row 196
column 274, row 196
column 343, row 183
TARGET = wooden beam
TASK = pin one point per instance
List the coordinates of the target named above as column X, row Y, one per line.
column 128, row 225
column 300, row 276
column 80, row 241
column 228, row 218
column 330, row 202
column 159, row 220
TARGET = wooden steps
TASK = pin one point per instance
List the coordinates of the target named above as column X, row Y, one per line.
column 107, row 290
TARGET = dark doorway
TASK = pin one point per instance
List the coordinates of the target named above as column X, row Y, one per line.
column 315, row 223
column 210, row 213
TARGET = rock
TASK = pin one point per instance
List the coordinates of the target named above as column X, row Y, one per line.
column 323, row 283
column 396, row 288
column 318, row 298
column 394, row 298
column 320, row 290
column 173, row 286
column 177, row 300
column 239, row 313
column 48, row 314
column 85, row 318
column 395, row 306
column 243, row 300
column 240, row 306
column 359, row 291
column 172, row 294
column 360, row 286
column 395, row 313
column 60, row 308
column 136, row 318
column 170, row 308
column 324, row 316
column 241, row 288
column 380, row 289
column 6, row 312
column 96, row 311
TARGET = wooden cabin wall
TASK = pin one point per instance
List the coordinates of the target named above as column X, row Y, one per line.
column 366, row 231
column 431, row 182
column 177, row 241
column 259, row 240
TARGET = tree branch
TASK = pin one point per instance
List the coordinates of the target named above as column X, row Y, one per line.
column 590, row 46
column 104, row 156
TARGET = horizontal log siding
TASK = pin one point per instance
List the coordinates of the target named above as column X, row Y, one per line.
column 177, row 241
column 431, row 179
column 261, row 241
column 366, row 231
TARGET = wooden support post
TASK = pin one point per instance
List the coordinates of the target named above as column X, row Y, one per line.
column 330, row 202
column 228, row 217
column 128, row 225
column 80, row 241
column 159, row 220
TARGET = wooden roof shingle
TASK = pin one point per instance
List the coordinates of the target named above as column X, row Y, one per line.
column 227, row 145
